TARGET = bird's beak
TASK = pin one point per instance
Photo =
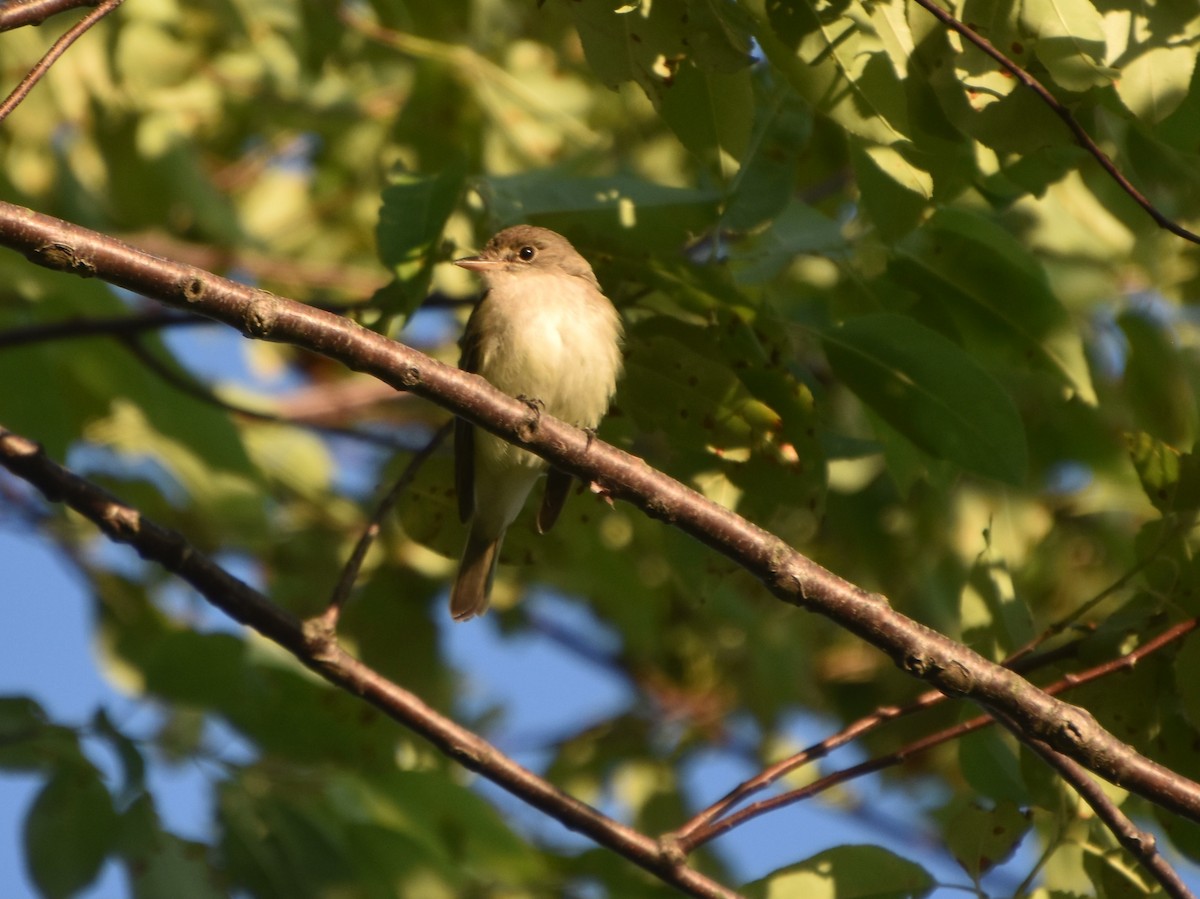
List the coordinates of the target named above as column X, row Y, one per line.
column 477, row 263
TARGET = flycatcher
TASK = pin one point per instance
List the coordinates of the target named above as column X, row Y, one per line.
column 545, row 332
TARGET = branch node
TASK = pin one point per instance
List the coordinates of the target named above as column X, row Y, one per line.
column 670, row 850
column 62, row 257
column 410, row 377
column 659, row 509
column 16, row 446
column 192, row 289
column 320, row 636
column 1069, row 735
column 918, row 665
column 260, row 315
column 785, row 583
column 957, row 679
column 122, row 522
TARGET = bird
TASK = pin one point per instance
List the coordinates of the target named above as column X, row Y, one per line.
column 543, row 331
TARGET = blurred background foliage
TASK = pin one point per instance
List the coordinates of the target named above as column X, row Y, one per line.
column 878, row 301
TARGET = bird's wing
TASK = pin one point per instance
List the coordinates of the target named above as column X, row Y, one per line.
column 558, row 487
column 464, row 431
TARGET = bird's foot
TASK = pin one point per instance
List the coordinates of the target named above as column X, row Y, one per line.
column 529, row 427
column 538, row 406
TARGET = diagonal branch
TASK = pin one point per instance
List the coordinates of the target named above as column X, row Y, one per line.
column 790, row 576
column 341, row 591
column 316, row 649
column 1077, row 130
column 1137, row 842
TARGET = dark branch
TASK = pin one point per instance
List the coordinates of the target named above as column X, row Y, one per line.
column 114, row 326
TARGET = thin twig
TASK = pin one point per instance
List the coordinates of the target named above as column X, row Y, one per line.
column 1022, row 661
column 1074, row 615
column 709, row 824
column 196, row 391
column 1081, row 136
column 114, row 326
column 329, row 619
column 58, row 49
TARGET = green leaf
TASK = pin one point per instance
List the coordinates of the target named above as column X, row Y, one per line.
column 989, row 761
column 1157, row 381
column 133, row 765
column 69, row 831
column 160, row 865
column 932, row 392
column 895, row 193
column 798, row 230
column 994, row 619
column 846, row 872
column 412, row 217
column 1155, row 83
column 1070, row 41
column 980, row 278
column 983, row 838
column 839, row 67
column 649, row 42
column 1187, row 671
column 29, row 742
column 620, row 209
column 1170, row 479
column 763, row 185
column 711, row 113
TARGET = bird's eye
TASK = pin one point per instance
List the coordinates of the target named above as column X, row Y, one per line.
column 527, row 253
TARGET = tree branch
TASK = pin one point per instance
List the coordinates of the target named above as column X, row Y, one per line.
column 202, row 394
column 341, row 592
column 112, row 326
column 318, row 650
column 718, row 819
column 1137, row 842
column 1080, row 134
column 788, row 575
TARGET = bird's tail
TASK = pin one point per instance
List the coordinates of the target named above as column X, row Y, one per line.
column 473, row 586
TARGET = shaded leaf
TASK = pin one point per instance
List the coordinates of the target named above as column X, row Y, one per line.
column 846, row 871
column 412, row 217
column 69, row 831
column 984, row 281
column 983, row 838
column 932, row 392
